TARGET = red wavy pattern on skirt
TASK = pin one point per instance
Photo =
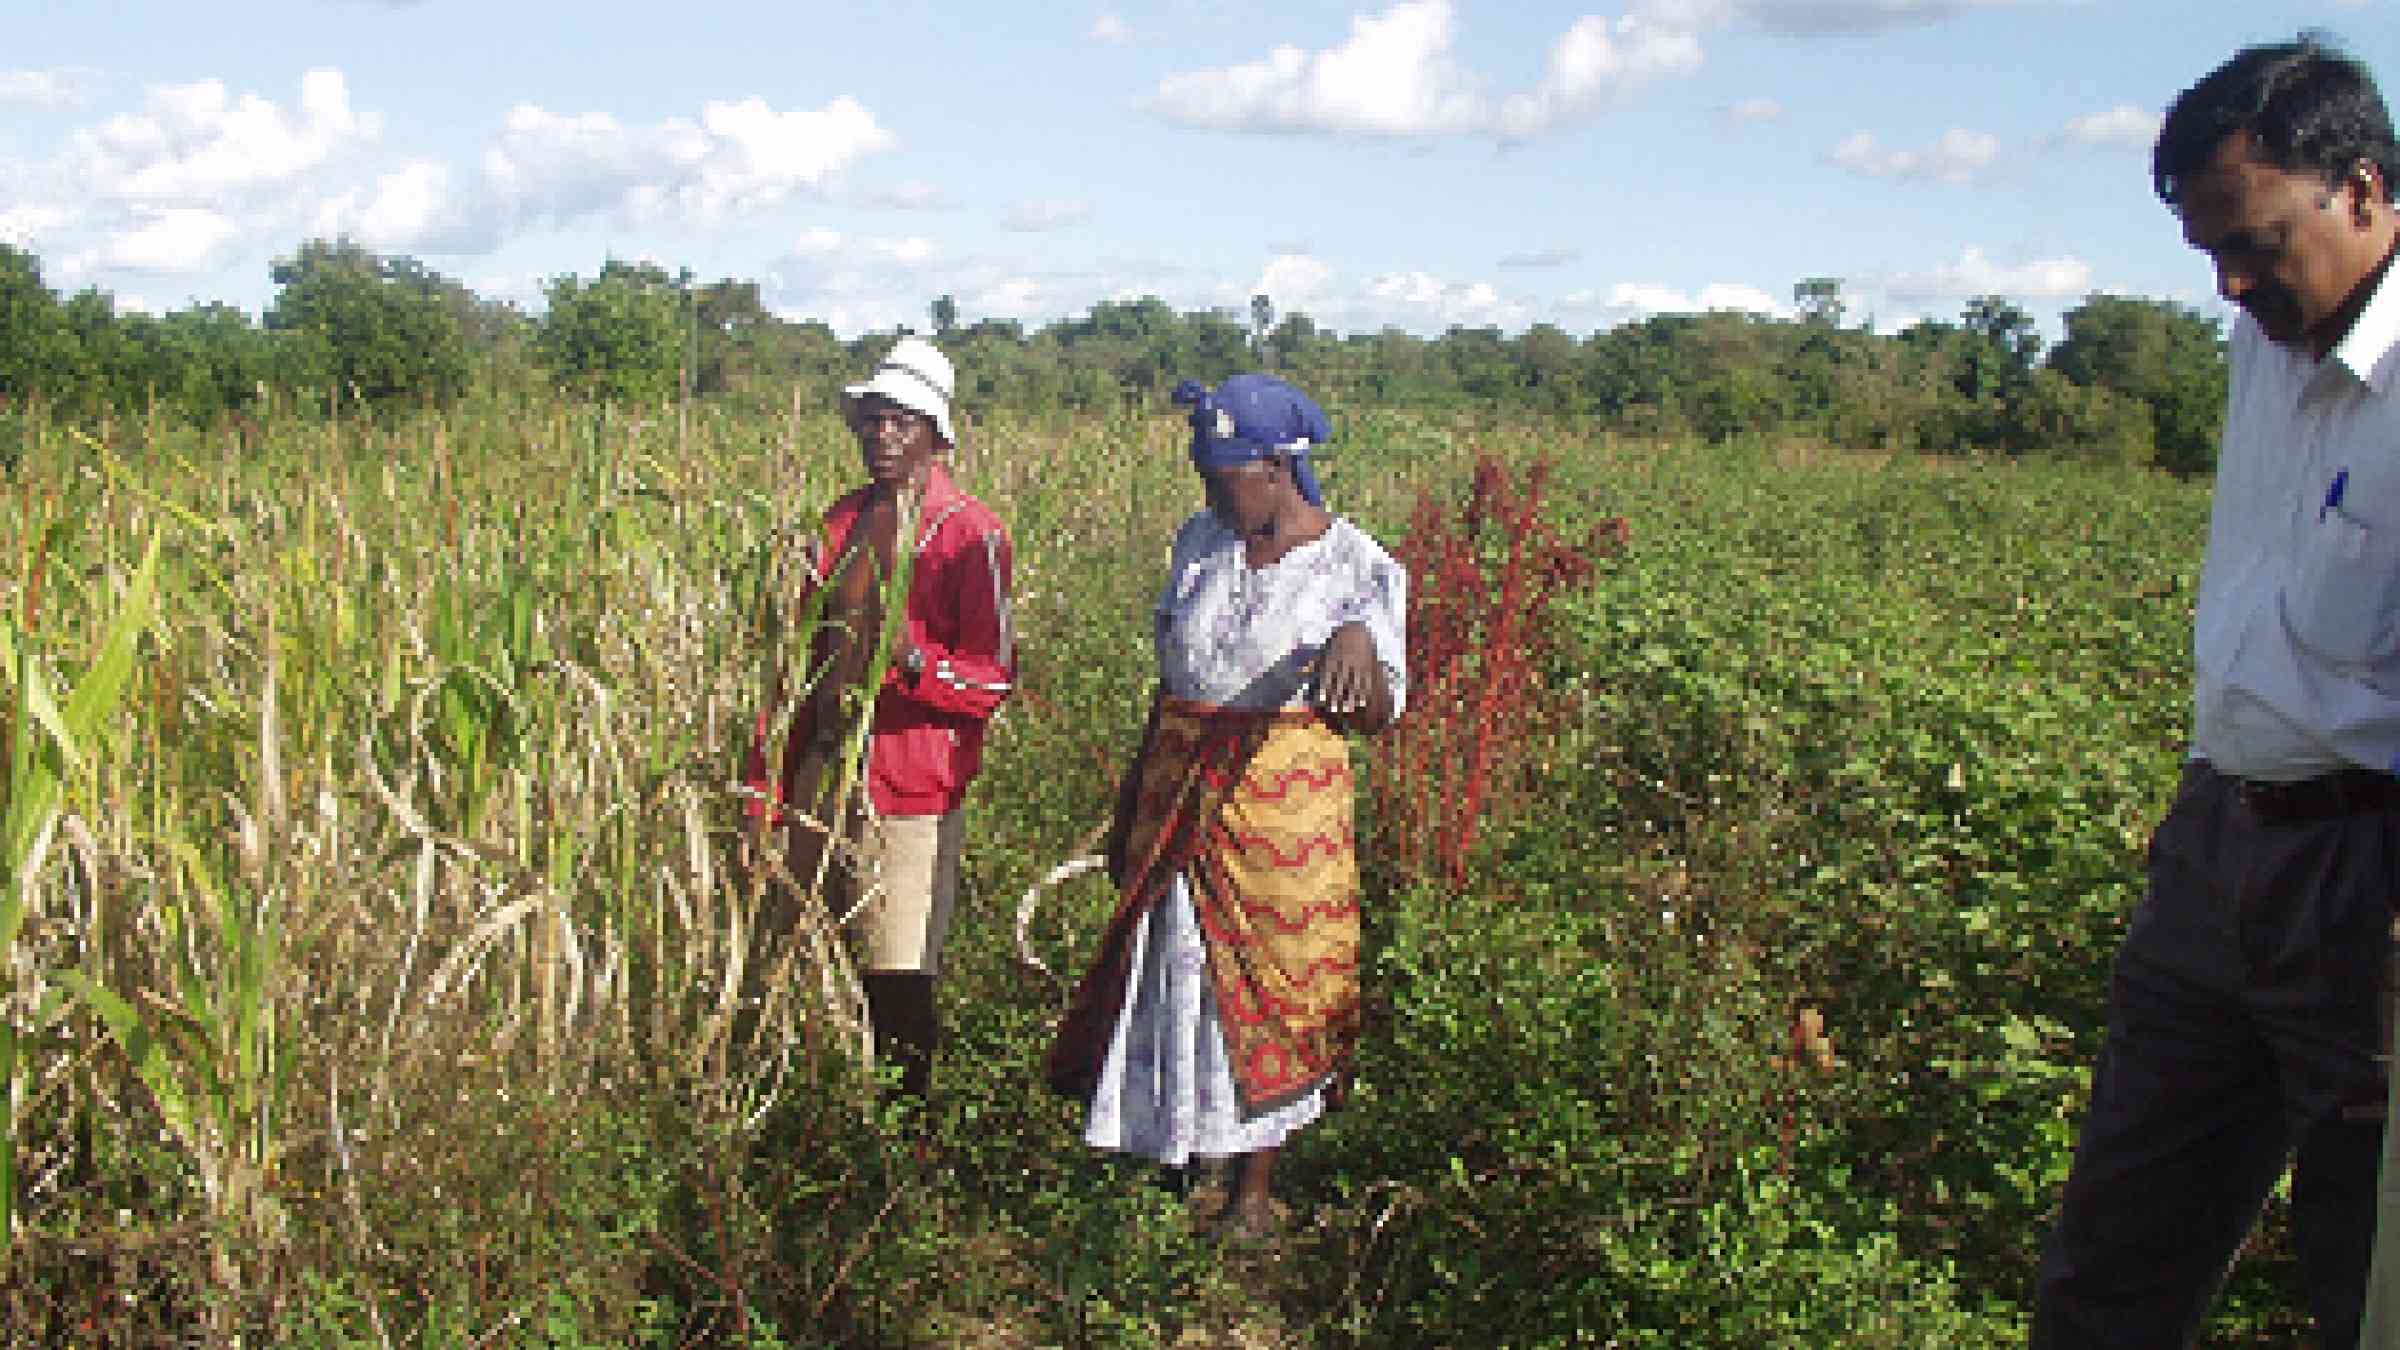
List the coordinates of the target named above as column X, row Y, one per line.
column 1315, row 781
column 1278, row 908
column 1303, row 847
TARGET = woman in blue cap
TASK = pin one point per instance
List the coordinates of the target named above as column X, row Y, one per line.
column 1224, row 998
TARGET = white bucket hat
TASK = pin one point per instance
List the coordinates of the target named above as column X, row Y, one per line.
column 915, row 375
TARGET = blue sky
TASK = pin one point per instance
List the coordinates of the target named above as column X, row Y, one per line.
column 1416, row 164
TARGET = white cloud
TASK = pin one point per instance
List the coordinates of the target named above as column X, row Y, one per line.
column 760, row 156
column 738, row 157
column 1299, row 283
column 1393, row 77
column 1730, row 295
column 1975, row 274
column 1050, row 214
column 2124, row 124
column 415, row 209
column 1649, row 298
column 861, row 283
column 1958, row 157
column 544, row 164
column 48, row 90
column 176, row 239
column 1294, row 281
column 194, row 169
column 195, row 144
column 1594, row 62
column 1420, row 299
column 30, row 225
column 1642, row 297
column 1110, row 28
column 1754, row 110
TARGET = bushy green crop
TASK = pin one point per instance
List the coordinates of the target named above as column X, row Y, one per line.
column 1760, row 1016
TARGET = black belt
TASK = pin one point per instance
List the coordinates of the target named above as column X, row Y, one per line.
column 2350, row 792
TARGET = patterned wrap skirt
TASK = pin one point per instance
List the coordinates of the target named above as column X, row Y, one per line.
column 1244, row 822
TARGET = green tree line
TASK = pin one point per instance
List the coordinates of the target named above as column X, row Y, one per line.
column 2132, row 380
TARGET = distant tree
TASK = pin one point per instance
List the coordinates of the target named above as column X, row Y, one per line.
column 1971, row 371
column 1141, row 346
column 2056, row 416
column 213, row 360
column 945, row 315
column 1819, row 300
column 2166, row 356
column 1262, row 321
column 2010, row 329
column 1552, row 366
column 1295, row 334
column 1481, row 362
column 619, row 336
column 36, row 347
column 734, row 335
column 1211, row 345
column 1633, row 374
column 381, row 329
column 111, row 370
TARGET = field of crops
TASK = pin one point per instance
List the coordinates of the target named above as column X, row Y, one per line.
column 378, row 921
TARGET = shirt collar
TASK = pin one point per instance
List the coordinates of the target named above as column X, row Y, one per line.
column 940, row 490
column 2370, row 351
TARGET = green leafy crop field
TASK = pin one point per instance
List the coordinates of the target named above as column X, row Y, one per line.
column 383, row 955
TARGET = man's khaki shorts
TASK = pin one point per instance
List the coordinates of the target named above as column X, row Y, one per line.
column 908, row 879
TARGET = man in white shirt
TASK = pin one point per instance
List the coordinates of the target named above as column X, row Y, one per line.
column 2246, row 1022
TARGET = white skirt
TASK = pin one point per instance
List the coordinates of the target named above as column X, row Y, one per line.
column 1166, row 1087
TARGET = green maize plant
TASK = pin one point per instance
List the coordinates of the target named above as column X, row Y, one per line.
column 788, row 888
column 214, row 1056
column 211, row 1046
column 47, row 749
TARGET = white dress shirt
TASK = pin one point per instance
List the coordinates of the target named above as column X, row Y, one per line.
column 2296, row 650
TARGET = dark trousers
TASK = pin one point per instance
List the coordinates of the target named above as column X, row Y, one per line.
column 2245, row 1028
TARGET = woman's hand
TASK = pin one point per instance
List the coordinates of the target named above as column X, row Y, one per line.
column 1349, row 690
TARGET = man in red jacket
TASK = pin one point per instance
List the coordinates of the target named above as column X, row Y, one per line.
column 952, row 660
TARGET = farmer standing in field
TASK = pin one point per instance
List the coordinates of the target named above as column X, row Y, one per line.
column 950, row 664
column 2246, row 1011
column 1224, row 999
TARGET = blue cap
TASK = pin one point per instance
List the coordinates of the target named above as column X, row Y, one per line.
column 1251, row 417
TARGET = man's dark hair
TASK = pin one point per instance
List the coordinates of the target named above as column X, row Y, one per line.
column 2308, row 107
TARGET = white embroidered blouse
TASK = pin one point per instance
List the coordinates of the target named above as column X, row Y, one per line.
column 1248, row 636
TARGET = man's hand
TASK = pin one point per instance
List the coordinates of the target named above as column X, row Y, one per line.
column 1349, row 689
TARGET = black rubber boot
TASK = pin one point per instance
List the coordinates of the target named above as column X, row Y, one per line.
column 907, row 1026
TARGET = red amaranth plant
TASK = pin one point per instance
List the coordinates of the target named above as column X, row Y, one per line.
column 1484, row 572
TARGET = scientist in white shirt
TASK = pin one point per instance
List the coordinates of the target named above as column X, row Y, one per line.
column 2246, row 1024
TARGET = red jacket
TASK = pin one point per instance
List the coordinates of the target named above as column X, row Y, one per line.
column 926, row 741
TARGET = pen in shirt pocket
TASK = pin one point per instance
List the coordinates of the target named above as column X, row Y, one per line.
column 2333, row 494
